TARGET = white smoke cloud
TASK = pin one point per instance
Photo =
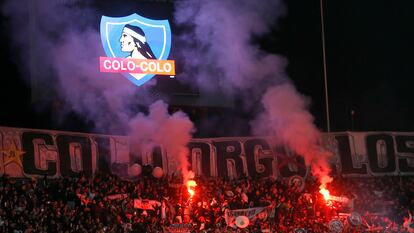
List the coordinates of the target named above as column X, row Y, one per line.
column 171, row 132
column 285, row 117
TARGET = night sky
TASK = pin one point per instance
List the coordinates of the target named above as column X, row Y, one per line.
column 368, row 46
column 368, row 51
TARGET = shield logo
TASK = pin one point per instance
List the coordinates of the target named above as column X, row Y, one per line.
column 136, row 37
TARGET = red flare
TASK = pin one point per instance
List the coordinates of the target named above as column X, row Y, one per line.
column 191, row 184
column 325, row 193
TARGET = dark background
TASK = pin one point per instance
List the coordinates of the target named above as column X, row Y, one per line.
column 368, row 52
column 369, row 60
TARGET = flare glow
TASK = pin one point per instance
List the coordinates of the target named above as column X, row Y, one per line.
column 191, row 184
column 325, row 193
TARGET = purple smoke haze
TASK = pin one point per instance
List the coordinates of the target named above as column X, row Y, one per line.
column 171, row 132
column 64, row 36
column 218, row 52
column 64, row 49
column 287, row 121
column 222, row 55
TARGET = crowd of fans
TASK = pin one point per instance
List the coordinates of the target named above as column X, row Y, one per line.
column 87, row 204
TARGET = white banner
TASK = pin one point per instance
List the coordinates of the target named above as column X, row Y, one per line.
column 146, row 204
column 250, row 213
column 231, row 215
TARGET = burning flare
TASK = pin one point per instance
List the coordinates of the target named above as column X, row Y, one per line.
column 191, row 192
column 324, row 192
column 191, row 184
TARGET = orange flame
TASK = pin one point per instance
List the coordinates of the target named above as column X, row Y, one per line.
column 325, row 193
column 191, row 184
column 191, row 192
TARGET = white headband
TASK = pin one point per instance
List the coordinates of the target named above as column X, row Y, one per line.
column 134, row 34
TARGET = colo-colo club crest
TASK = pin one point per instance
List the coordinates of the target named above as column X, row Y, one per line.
column 137, row 47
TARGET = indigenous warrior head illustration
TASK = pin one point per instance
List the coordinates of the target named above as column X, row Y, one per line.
column 133, row 41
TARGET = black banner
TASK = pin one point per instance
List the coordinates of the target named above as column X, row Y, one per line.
column 53, row 153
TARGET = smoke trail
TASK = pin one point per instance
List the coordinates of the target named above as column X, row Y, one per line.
column 171, row 132
column 63, row 34
column 286, row 119
column 220, row 53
